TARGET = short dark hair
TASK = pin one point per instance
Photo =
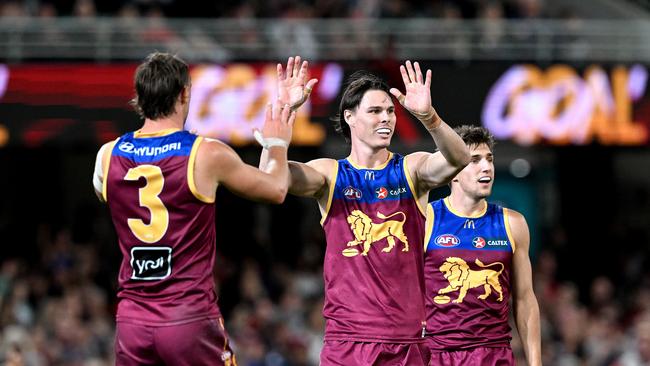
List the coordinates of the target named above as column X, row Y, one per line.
column 159, row 80
column 475, row 135
column 357, row 85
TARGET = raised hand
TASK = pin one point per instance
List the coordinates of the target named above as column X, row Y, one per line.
column 293, row 87
column 278, row 126
column 418, row 92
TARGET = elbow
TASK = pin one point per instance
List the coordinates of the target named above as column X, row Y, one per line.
column 279, row 195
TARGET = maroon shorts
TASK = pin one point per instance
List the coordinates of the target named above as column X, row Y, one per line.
column 347, row 353
column 484, row 356
column 202, row 342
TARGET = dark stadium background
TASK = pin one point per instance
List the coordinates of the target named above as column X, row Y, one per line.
column 588, row 204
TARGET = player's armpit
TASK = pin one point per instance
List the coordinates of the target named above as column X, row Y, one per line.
column 310, row 179
column 435, row 169
column 519, row 230
column 430, row 170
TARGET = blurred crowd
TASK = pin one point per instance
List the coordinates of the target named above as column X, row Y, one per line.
column 469, row 9
column 57, row 304
column 56, row 308
column 129, row 29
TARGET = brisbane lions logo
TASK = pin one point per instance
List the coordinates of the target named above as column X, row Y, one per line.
column 462, row 278
column 367, row 232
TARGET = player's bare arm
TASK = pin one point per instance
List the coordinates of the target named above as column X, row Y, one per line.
column 306, row 179
column 100, row 163
column 217, row 163
column 293, row 89
column 430, row 170
column 311, row 179
column 525, row 303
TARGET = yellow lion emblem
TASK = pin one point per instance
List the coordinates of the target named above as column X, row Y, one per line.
column 367, row 232
column 462, row 278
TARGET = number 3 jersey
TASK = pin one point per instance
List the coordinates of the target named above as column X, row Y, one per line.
column 467, row 266
column 165, row 229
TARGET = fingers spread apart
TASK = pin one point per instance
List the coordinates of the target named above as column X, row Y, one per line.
column 412, row 73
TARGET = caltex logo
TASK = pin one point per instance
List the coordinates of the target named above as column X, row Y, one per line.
column 478, row 242
column 381, row 192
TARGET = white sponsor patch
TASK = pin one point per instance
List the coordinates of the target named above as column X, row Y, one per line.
column 129, row 148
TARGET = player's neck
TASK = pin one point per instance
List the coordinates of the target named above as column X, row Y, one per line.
column 467, row 206
column 167, row 123
column 367, row 157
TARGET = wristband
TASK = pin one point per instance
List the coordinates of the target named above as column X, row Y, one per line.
column 269, row 142
column 422, row 117
column 427, row 119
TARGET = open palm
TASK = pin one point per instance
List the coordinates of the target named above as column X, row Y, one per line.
column 293, row 87
column 418, row 89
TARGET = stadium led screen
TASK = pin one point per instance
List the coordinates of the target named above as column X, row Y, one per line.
column 559, row 105
column 70, row 104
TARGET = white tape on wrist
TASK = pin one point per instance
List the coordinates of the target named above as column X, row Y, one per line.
column 269, row 142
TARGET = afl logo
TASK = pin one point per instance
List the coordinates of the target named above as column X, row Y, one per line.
column 352, row 193
column 447, row 240
column 478, row 242
column 381, row 192
column 127, row 147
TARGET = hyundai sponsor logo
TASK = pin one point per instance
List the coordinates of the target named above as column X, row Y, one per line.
column 129, row 148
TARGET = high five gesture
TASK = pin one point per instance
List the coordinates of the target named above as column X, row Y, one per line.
column 350, row 193
column 293, row 87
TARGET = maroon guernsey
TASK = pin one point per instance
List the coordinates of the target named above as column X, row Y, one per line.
column 165, row 229
column 468, row 267
column 374, row 280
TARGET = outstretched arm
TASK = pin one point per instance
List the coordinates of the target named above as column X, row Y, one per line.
column 294, row 90
column 310, row 179
column 525, row 303
column 430, row 170
column 217, row 163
